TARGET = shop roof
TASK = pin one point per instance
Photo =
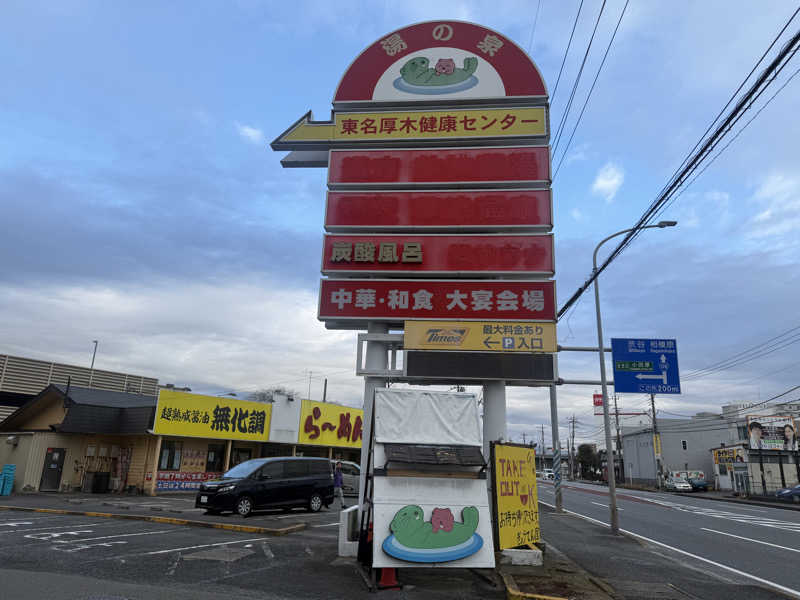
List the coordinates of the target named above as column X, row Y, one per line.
column 96, row 397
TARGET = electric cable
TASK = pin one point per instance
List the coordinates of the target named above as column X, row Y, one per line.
column 569, row 43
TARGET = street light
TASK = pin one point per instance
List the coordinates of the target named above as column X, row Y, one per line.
column 610, row 462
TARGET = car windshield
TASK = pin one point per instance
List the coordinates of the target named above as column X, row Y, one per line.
column 681, row 481
column 242, row 470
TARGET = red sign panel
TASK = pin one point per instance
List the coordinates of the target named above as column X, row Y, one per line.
column 453, row 166
column 484, row 210
column 426, row 255
column 597, row 400
column 515, row 70
column 397, row 300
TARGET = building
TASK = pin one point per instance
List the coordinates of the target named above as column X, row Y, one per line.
column 21, row 379
column 685, row 446
column 79, row 438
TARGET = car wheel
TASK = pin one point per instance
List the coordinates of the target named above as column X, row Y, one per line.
column 244, row 506
column 315, row 502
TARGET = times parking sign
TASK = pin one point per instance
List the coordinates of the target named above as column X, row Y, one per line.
column 644, row 366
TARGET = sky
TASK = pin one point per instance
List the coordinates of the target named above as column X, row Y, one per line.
column 142, row 207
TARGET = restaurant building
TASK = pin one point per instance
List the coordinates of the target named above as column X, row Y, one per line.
column 70, row 438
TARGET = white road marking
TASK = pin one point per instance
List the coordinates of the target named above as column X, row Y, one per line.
column 47, row 536
column 732, row 516
column 200, row 546
column 80, row 547
column 15, row 523
column 267, row 551
column 327, row 525
column 606, row 505
column 108, row 537
column 767, row 582
column 751, row 540
column 58, row 527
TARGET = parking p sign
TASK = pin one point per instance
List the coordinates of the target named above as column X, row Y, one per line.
column 643, row 366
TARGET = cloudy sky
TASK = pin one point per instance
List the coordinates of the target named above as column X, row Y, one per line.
column 142, row 207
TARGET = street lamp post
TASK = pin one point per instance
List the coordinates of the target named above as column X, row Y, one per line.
column 610, row 461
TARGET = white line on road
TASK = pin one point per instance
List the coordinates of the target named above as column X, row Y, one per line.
column 58, row 527
column 326, row 525
column 200, row 546
column 108, row 537
column 750, row 539
column 771, row 584
column 605, row 505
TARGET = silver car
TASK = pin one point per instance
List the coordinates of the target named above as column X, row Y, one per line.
column 677, row 484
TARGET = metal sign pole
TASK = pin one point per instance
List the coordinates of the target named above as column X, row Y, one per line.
column 556, row 449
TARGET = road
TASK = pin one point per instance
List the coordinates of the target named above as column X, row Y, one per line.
column 70, row 557
column 760, row 543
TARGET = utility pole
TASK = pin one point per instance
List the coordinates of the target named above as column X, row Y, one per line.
column 572, row 448
column 544, row 449
column 325, row 390
column 309, row 385
column 619, row 443
column 656, row 454
column 523, row 438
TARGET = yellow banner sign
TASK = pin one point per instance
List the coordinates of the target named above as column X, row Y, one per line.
column 323, row 424
column 515, row 495
column 495, row 336
column 194, row 415
column 657, row 445
column 422, row 125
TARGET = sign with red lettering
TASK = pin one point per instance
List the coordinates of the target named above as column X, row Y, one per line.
column 465, row 167
column 465, row 210
column 396, row 300
column 437, row 254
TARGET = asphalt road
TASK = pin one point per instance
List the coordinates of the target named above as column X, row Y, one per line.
column 64, row 557
column 760, row 543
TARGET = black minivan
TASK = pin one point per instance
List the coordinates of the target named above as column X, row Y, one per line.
column 269, row 483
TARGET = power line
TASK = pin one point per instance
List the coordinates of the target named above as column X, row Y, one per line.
column 763, row 81
column 569, row 43
column 591, row 89
column 577, row 80
column 533, row 29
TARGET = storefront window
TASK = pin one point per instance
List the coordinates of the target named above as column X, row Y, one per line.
column 170, row 459
column 216, row 456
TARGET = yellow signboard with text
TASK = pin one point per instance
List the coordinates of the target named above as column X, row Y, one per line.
column 324, row 424
column 485, row 336
column 195, row 415
column 515, row 494
column 421, row 125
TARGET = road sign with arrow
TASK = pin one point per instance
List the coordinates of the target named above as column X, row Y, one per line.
column 484, row 336
column 645, row 366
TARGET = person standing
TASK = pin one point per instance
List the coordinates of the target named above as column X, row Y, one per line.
column 337, row 483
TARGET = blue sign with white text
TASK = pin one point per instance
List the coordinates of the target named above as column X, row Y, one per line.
column 645, row 366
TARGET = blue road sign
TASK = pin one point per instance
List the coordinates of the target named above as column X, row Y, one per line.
column 645, row 366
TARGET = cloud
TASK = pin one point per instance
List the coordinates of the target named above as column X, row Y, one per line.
column 779, row 199
column 250, row 134
column 608, row 181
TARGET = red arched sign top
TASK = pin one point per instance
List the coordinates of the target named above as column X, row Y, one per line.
column 440, row 60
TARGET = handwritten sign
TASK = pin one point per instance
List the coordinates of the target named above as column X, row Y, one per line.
column 324, row 424
column 516, row 500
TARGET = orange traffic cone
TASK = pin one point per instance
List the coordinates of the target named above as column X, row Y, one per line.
column 388, row 580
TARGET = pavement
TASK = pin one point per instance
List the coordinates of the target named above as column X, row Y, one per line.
column 753, row 545
column 89, row 556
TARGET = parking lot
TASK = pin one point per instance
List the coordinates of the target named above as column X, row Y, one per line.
column 65, row 556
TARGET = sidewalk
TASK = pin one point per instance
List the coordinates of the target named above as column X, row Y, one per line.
column 176, row 508
column 624, row 568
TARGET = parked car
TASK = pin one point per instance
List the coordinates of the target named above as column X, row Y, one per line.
column 677, row 484
column 351, row 473
column 792, row 494
column 548, row 474
column 269, row 483
column 700, row 485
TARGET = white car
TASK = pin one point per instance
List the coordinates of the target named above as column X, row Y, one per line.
column 548, row 474
column 677, row 485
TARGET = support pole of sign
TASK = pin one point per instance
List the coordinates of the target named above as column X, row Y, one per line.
column 556, row 449
column 376, row 359
column 494, row 419
column 656, row 451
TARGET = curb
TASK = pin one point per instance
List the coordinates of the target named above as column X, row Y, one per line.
column 170, row 520
column 513, row 592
